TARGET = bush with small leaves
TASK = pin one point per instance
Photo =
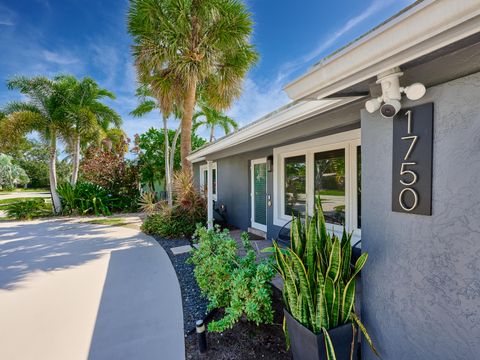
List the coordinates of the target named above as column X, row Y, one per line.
column 240, row 285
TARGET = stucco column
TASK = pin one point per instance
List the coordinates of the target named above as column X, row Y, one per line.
column 209, row 195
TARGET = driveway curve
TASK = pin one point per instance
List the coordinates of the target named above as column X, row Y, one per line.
column 74, row 290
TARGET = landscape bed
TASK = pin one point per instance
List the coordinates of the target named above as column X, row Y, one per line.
column 244, row 341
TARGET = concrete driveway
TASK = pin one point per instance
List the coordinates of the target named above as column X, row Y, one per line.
column 73, row 290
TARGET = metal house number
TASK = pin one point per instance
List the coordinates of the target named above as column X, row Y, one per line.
column 412, row 160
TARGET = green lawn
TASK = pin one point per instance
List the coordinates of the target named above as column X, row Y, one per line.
column 6, row 202
column 109, row 221
column 24, row 190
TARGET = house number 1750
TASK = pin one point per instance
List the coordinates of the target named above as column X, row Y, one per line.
column 408, row 176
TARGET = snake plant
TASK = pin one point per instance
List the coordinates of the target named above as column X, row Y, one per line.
column 319, row 281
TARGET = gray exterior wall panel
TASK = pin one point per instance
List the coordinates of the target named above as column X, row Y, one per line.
column 421, row 284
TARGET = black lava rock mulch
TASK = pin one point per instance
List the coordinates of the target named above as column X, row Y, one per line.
column 194, row 304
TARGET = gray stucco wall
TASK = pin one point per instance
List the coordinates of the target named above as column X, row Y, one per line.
column 421, row 284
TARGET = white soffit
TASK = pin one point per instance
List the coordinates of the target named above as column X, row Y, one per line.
column 419, row 30
column 288, row 115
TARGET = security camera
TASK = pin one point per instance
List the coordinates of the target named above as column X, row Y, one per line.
column 390, row 108
column 389, row 103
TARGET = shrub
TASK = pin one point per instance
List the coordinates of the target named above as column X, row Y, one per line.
column 188, row 197
column 181, row 219
column 85, row 198
column 27, row 209
column 109, row 169
column 148, row 203
column 238, row 284
column 172, row 222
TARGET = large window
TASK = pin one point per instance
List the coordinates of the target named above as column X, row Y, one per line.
column 329, row 184
column 295, row 185
column 325, row 169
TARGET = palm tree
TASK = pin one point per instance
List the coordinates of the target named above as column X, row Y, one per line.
column 182, row 46
column 212, row 119
column 147, row 104
column 90, row 119
column 43, row 113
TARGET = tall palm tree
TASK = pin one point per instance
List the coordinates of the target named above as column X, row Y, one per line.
column 43, row 113
column 211, row 119
column 148, row 104
column 182, row 46
column 90, row 118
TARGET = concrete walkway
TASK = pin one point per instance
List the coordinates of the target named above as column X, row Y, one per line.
column 74, row 290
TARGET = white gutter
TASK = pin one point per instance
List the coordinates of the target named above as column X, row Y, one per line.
column 291, row 114
column 422, row 29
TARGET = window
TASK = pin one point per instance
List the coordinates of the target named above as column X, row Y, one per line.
column 329, row 184
column 295, row 185
column 204, row 179
column 326, row 169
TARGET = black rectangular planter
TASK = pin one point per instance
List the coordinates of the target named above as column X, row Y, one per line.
column 306, row 345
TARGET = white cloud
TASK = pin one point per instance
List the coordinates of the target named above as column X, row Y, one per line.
column 6, row 22
column 256, row 101
column 59, row 58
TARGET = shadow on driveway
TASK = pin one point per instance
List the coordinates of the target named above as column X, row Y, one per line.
column 26, row 247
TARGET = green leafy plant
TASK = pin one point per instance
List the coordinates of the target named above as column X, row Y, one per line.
column 174, row 222
column 85, row 198
column 188, row 210
column 27, row 209
column 319, row 281
column 148, row 202
column 241, row 285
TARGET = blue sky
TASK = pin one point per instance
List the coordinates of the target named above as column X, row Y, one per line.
column 89, row 37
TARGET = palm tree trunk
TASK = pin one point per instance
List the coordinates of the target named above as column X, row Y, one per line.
column 76, row 160
column 212, row 133
column 173, row 149
column 168, row 175
column 186, row 136
column 57, row 204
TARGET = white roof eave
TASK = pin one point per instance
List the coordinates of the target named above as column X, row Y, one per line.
column 291, row 114
column 421, row 29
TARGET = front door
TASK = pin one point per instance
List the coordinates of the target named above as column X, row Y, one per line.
column 259, row 194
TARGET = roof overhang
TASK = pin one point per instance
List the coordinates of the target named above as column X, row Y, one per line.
column 285, row 116
column 421, row 29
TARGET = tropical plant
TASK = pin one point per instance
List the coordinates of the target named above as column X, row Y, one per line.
column 27, row 209
column 211, row 119
column 89, row 117
column 148, row 203
column 33, row 156
column 11, row 174
column 147, row 104
column 43, row 113
column 150, row 147
column 240, row 285
column 181, row 219
column 119, row 176
column 319, row 281
column 85, row 198
column 182, row 47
